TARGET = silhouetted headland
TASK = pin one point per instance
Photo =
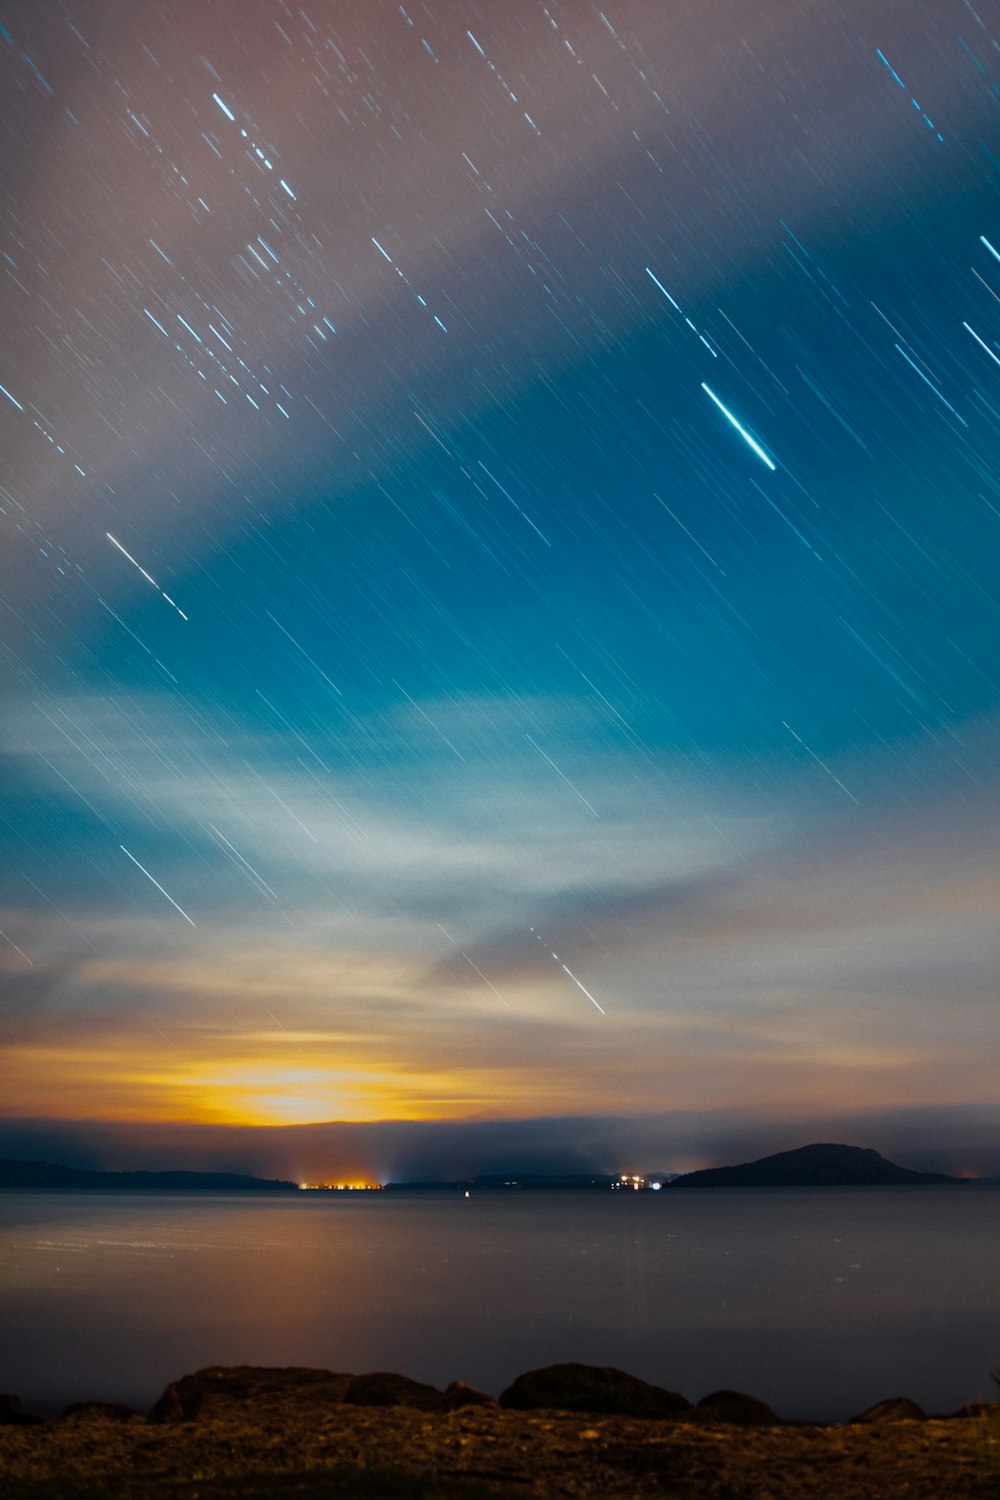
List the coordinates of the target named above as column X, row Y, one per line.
column 819, row 1165
column 22, row 1176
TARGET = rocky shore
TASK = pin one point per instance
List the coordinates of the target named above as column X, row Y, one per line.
column 565, row 1431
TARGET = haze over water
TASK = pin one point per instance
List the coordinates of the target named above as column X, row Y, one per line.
column 819, row 1301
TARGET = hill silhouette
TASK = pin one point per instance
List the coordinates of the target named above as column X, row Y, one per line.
column 46, row 1175
column 818, row 1165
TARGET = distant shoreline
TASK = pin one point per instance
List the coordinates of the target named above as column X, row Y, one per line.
column 465, row 1190
column 449, row 1192
column 821, row 1165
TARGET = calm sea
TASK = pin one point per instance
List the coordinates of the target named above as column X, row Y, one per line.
column 819, row 1301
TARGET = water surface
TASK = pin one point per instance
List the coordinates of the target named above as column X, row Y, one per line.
column 820, row 1301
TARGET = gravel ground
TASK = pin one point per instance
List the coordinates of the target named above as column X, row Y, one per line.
column 310, row 1449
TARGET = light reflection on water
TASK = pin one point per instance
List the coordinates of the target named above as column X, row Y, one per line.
column 819, row 1301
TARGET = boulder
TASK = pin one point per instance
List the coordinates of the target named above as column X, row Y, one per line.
column 895, row 1409
column 460, row 1394
column 13, row 1414
column 106, row 1411
column 192, row 1396
column 591, row 1388
column 977, row 1409
column 384, row 1388
column 736, row 1408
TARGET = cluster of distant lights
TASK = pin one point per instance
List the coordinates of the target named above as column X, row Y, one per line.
column 628, row 1181
column 339, row 1187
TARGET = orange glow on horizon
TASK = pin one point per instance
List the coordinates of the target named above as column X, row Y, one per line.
column 261, row 1081
column 325, row 1048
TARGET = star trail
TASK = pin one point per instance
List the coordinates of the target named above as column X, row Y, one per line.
column 473, row 471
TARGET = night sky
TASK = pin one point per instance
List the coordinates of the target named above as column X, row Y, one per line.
column 498, row 550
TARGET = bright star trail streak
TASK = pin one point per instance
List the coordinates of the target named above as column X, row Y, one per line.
column 930, row 384
column 567, row 971
column 147, row 576
column 155, row 882
column 663, row 289
column 739, row 427
column 116, row 543
column 583, row 987
column 982, row 344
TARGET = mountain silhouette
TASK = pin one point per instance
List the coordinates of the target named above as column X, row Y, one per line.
column 819, row 1165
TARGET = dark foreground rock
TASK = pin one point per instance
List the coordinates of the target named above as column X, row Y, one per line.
column 13, row 1414
column 736, row 1409
column 894, row 1409
column 106, row 1411
column 218, row 1390
column 975, row 1409
column 591, row 1388
column 250, row 1388
column 385, row 1389
column 460, row 1394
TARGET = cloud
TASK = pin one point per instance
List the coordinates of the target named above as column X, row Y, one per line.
column 463, row 944
column 151, row 769
column 436, row 219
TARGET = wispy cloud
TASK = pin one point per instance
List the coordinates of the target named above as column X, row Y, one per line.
column 450, row 952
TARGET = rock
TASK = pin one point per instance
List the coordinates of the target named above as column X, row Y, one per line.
column 189, row 1398
column 977, row 1409
column 13, row 1414
column 460, row 1394
column 895, row 1409
column 592, row 1388
column 383, row 1388
column 108, row 1411
column 737, row 1409
column 177, row 1404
